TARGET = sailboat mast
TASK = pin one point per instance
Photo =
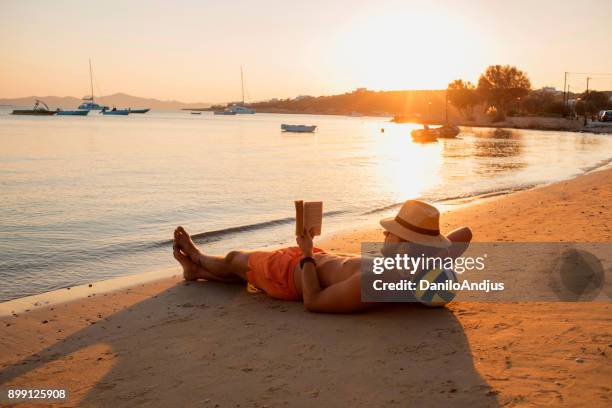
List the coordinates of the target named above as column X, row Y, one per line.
column 242, row 84
column 91, row 80
column 446, row 107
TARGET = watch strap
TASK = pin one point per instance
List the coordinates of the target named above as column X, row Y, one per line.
column 307, row 259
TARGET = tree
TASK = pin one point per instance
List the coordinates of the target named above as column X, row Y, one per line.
column 462, row 94
column 541, row 102
column 502, row 84
column 595, row 101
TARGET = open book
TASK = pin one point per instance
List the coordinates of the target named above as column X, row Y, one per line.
column 308, row 215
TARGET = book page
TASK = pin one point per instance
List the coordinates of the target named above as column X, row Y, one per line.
column 313, row 216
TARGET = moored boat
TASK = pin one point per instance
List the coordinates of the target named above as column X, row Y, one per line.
column 88, row 101
column 89, row 104
column 40, row 109
column 237, row 109
column 298, row 128
column 145, row 110
column 448, row 131
column 424, row 135
column 196, row 113
column 241, row 110
column 115, row 111
column 72, row 112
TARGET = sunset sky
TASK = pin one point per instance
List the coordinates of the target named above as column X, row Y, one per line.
column 192, row 50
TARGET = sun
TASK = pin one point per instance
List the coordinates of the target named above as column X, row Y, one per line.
column 405, row 49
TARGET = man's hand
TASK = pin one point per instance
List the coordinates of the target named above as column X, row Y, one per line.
column 305, row 242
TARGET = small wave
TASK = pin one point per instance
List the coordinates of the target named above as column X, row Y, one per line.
column 598, row 165
column 470, row 195
column 208, row 236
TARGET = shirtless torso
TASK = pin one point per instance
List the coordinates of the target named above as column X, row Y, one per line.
column 331, row 269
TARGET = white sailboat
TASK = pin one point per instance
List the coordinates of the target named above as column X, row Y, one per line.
column 88, row 101
column 237, row 109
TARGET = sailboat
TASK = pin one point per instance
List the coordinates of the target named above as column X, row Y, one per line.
column 237, row 109
column 88, row 101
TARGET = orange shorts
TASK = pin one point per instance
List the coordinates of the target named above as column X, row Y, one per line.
column 273, row 272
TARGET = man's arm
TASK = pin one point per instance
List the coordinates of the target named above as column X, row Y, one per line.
column 342, row 297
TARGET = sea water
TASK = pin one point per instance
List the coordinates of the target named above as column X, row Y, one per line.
column 89, row 198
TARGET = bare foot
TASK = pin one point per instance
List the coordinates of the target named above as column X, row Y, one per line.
column 190, row 269
column 184, row 243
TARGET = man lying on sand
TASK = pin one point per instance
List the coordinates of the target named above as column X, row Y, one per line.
column 328, row 283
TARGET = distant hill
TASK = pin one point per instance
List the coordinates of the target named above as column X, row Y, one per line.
column 119, row 100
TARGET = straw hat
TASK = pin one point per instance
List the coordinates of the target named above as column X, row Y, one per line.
column 417, row 222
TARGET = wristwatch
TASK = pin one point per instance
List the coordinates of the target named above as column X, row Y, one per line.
column 307, row 259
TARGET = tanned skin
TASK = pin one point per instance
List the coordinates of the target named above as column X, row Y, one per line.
column 332, row 286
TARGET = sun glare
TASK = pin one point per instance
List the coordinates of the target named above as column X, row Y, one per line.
column 410, row 49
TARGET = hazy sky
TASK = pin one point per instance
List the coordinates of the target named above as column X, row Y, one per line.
column 193, row 50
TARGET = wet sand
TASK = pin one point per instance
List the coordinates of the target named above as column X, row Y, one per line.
column 171, row 343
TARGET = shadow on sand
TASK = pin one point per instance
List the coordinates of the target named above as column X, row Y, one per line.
column 203, row 344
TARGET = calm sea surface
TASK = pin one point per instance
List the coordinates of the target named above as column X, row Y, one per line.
column 88, row 198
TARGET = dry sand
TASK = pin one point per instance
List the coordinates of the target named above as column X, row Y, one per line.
column 170, row 343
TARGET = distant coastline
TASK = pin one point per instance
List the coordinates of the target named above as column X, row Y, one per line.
column 117, row 99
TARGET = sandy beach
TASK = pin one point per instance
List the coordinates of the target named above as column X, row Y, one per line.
column 170, row 343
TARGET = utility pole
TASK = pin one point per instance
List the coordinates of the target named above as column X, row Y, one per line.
column 587, row 90
column 586, row 96
column 565, row 93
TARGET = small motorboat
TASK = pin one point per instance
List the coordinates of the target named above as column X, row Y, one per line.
column 196, row 113
column 448, row 131
column 72, row 112
column 40, row 109
column 225, row 112
column 298, row 128
column 115, row 111
column 145, row 110
column 425, row 135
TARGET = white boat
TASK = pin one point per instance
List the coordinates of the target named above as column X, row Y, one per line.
column 240, row 110
column 237, row 109
column 298, row 128
column 88, row 101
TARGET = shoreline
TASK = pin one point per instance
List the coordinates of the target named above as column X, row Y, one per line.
column 278, row 354
column 80, row 291
column 541, row 123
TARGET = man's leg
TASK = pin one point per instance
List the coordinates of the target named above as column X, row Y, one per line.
column 230, row 268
